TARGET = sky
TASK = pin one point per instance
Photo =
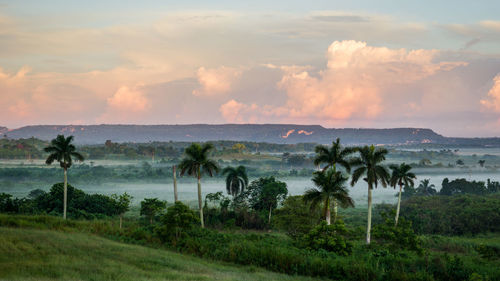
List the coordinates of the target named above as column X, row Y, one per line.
column 362, row 64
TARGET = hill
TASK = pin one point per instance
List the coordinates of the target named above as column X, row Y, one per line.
column 273, row 133
column 27, row 254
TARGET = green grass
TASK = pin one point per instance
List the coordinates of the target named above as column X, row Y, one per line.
column 31, row 254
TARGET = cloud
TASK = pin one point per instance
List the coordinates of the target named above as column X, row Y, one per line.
column 492, row 102
column 126, row 105
column 353, row 86
column 128, row 100
column 216, row 81
column 235, row 112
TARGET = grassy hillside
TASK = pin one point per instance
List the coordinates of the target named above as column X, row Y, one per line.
column 28, row 254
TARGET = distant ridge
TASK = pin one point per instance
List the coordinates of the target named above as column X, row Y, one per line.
column 273, row 133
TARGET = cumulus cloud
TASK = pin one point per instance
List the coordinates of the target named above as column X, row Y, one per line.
column 353, row 85
column 492, row 102
column 129, row 100
column 126, row 105
column 216, row 81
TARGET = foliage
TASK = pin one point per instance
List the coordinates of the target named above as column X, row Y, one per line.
column 296, row 217
column 453, row 215
column 122, row 202
column 236, row 179
column 63, row 151
column 462, row 186
column 80, row 204
column 333, row 156
column 176, row 222
column 331, row 238
column 425, row 188
column 151, row 207
column 394, row 237
column 264, row 194
column 330, row 187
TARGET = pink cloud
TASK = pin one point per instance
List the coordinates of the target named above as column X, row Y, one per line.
column 492, row 102
column 354, row 84
column 216, row 81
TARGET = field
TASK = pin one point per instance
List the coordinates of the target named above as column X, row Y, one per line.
column 30, row 254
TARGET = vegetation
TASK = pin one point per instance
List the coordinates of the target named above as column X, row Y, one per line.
column 196, row 163
column 330, row 187
column 44, row 255
column 236, row 180
column 401, row 175
column 62, row 151
column 300, row 238
column 369, row 165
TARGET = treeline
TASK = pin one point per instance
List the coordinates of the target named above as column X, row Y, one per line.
column 454, row 187
column 80, row 204
column 32, row 148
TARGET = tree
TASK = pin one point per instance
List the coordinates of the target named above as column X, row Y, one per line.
column 401, row 175
column 481, row 163
column 178, row 220
column 62, row 150
column 196, row 163
column 122, row 204
column 368, row 164
column 333, row 156
column 266, row 193
column 425, row 188
column 236, row 180
column 239, row 147
column 150, row 207
column 330, row 187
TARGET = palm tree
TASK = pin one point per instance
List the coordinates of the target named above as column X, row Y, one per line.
column 196, row 163
column 62, row 150
column 401, row 175
column 236, row 180
column 332, row 156
column 426, row 188
column 368, row 164
column 330, row 187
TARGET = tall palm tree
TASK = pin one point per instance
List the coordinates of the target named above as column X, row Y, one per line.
column 426, row 188
column 236, row 180
column 401, row 175
column 196, row 163
column 330, row 187
column 369, row 164
column 332, row 156
column 62, row 150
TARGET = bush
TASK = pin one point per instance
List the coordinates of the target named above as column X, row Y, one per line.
column 394, row 237
column 176, row 223
column 453, row 215
column 329, row 238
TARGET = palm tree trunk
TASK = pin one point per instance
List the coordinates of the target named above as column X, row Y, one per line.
column 121, row 216
column 328, row 215
column 175, row 184
column 335, row 210
column 65, row 200
column 199, row 198
column 369, row 224
column 327, row 211
column 399, row 204
column 269, row 219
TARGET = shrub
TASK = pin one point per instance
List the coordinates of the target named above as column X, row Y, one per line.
column 175, row 224
column 329, row 238
column 401, row 236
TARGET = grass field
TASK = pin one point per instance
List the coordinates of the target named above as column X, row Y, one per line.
column 30, row 254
